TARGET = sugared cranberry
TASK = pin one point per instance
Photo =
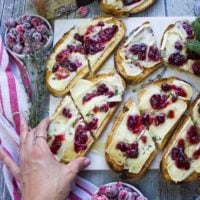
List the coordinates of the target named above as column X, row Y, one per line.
column 130, row 2
column 140, row 50
column 192, row 135
column 122, row 146
column 177, row 59
column 159, row 119
column 134, row 124
column 196, row 154
column 171, row 114
column 188, row 28
column 104, row 108
column 196, row 68
column 147, row 120
column 132, row 151
column 57, row 143
column 66, row 113
column 166, row 87
column 92, row 125
column 144, row 139
column 111, row 191
column 178, row 46
column 154, row 53
column 159, row 101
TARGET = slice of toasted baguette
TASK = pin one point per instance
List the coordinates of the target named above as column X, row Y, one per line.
column 180, row 175
column 112, row 8
column 65, row 125
column 163, row 131
column 115, row 158
column 195, row 111
column 146, row 66
column 87, row 109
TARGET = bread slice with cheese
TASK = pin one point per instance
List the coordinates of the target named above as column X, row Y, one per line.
column 97, row 99
column 81, row 50
column 138, row 56
column 181, row 160
column 68, row 135
column 129, row 147
column 122, row 8
column 163, row 103
column 173, row 47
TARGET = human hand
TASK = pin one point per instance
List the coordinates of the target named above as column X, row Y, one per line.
column 40, row 175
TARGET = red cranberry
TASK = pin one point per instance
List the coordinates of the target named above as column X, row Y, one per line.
column 57, row 143
column 144, row 139
column 196, row 154
column 181, row 144
column 171, row 114
column 55, row 68
column 174, row 98
column 122, row 146
column 102, row 89
column 159, row 119
column 178, row 46
column 104, row 108
column 140, row 50
column 88, row 97
column 147, row 120
column 72, row 67
column 179, row 91
column 159, row 101
column 132, row 151
column 61, row 73
column 130, row 2
column 100, row 23
column 134, row 124
column 183, row 162
column 154, row 53
column 177, row 59
column 192, row 135
column 92, row 125
column 188, row 28
column 112, row 104
column 166, row 87
column 176, row 153
column 66, row 113
column 96, row 109
column 196, row 68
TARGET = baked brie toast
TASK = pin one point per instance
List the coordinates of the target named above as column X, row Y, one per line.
column 163, row 103
column 121, row 8
column 138, row 56
column 173, row 47
column 97, row 99
column 81, row 50
column 181, row 160
column 68, row 134
column 129, row 147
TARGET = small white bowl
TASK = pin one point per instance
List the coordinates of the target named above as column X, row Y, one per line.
column 125, row 184
column 46, row 46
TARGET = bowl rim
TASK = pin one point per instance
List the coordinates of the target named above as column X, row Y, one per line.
column 46, row 46
column 126, row 184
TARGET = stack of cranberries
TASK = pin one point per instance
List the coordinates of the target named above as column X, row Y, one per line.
column 117, row 191
column 26, row 34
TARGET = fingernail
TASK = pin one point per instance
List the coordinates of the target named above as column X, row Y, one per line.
column 87, row 162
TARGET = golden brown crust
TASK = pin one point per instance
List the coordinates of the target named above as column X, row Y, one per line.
column 119, row 65
column 163, row 166
column 115, row 166
column 111, row 9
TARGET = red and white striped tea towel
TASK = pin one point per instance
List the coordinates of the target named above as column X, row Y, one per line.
column 14, row 100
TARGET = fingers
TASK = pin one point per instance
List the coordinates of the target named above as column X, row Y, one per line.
column 75, row 166
column 12, row 167
column 29, row 140
column 23, row 133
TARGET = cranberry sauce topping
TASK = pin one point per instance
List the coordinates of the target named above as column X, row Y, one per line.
column 196, row 68
column 178, row 90
column 147, row 119
column 134, row 124
column 104, row 108
column 171, row 114
column 159, row 119
column 188, row 29
column 81, row 138
column 177, row 59
column 92, row 125
column 179, row 156
column 154, row 53
column 57, row 143
column 129, row 150
column 144, row 139
column 96, row 43
column 101, row 90
column 159, row 101
column 66, row 113
column 196, row 154
column 192, row 135
column 140, row 50
column 130, row 2
column 61, row 73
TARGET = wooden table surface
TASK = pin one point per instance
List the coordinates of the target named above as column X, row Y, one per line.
column 152, row 185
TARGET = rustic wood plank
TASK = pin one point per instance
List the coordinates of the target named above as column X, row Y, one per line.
column 180, row 7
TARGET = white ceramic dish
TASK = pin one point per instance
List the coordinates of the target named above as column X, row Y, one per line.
column 47, row 45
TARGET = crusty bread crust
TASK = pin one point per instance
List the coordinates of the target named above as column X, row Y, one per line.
column 119, row 65
column 163, row 166
column 112, row 9
column 115, row 166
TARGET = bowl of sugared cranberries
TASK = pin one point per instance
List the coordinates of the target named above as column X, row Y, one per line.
column 118, row 191
column 27, row 34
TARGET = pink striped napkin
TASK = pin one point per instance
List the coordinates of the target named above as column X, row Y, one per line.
column 14, row 100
